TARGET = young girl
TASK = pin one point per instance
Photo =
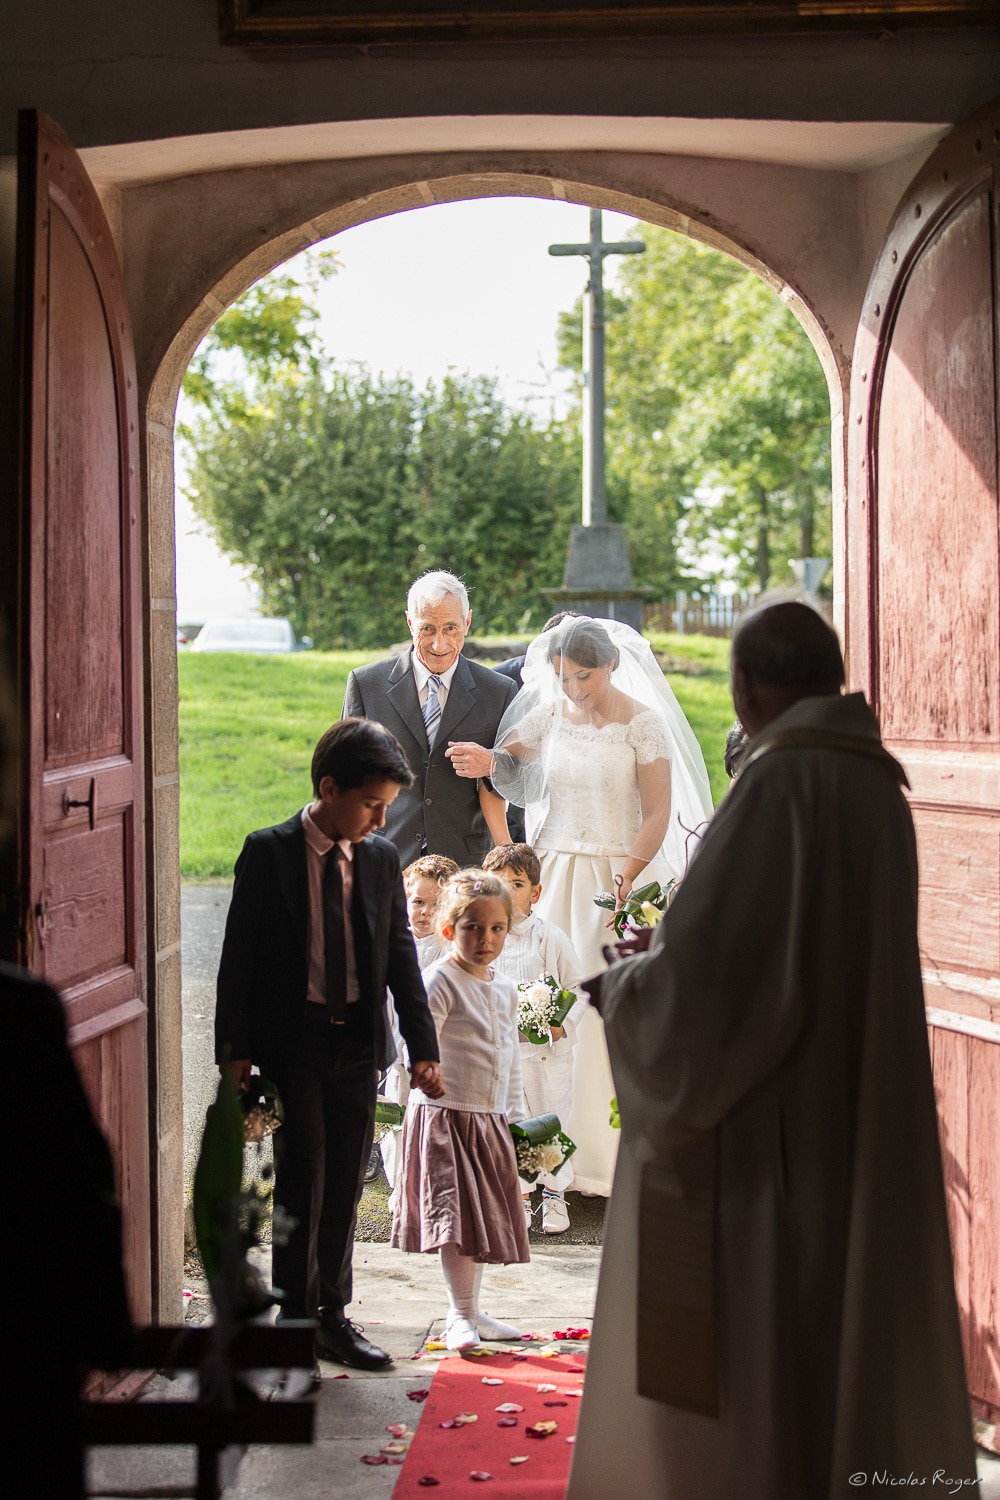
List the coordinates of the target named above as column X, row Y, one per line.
column 459, row 1188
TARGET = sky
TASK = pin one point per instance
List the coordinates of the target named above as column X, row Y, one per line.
column 466, row 286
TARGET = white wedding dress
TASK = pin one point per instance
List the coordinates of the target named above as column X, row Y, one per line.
column 582, row 834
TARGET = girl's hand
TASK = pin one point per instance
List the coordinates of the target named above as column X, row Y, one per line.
column 426, row 1076
column 557, row 1033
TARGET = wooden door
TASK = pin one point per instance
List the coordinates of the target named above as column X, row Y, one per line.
column 80, row 653
column 924, row 642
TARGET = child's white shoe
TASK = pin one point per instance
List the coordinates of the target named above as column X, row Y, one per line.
column 526, row 1201
column 461, row 1333
column 555, row 1214
column 492, row 1328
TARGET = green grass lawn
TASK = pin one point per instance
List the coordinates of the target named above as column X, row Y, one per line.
column 248, row 725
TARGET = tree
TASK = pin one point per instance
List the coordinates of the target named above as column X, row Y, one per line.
column 272, row 327
column 337, row 488
column 718, row 419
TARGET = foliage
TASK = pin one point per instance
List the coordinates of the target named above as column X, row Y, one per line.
column 248, row 725
column 337, row 487
column 271, row 328
column 718, row 424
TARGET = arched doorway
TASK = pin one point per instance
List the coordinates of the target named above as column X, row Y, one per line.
column 160, row 398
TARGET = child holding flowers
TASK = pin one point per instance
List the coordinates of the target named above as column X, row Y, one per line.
column 535, row 953
column 459, row 1190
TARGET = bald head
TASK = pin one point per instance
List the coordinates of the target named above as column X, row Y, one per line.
column 780, row 655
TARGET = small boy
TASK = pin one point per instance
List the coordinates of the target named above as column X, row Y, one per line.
column 423, row 881
column 534, row 948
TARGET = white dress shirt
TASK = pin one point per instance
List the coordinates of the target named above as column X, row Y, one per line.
column 421, row 676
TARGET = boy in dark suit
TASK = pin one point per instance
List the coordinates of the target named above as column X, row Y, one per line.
column 316, row 932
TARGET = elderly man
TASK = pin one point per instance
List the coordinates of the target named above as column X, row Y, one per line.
column 776, row 1317
column 438, row 705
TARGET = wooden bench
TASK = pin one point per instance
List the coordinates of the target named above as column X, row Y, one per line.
column 205, row 1425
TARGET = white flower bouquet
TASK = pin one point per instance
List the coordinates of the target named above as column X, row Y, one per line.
column 540, row 1145
column 541, row 1006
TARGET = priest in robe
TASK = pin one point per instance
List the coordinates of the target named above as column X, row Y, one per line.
column 776, row 1310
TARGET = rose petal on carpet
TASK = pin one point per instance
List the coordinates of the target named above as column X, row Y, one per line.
column 452, row 1455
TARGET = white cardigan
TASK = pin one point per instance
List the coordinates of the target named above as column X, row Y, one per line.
column 476, row 1022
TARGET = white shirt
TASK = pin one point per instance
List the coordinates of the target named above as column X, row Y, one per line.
column 535, row 947
column 422, row 674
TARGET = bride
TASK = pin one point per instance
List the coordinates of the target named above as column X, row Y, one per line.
column 597, row 750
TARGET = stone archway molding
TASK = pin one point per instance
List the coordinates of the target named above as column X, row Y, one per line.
column 192, row 245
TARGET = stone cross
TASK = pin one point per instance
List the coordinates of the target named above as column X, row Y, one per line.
column 595, row 508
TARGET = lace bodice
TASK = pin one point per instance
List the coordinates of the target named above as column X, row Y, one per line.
column 593, row 803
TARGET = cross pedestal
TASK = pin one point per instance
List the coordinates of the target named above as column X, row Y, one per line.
column 598, row 576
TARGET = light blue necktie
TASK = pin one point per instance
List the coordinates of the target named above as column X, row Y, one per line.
column 432, row 709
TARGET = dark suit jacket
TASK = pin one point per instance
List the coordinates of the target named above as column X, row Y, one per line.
column 512, row 668
column 264, row 972
column 441, row 808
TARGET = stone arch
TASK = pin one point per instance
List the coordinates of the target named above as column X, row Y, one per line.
column 251, row 220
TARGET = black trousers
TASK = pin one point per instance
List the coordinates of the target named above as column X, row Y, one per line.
column 321, row 1151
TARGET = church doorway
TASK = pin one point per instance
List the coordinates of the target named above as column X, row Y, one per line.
column 917, row 586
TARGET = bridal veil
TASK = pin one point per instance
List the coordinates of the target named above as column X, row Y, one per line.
column 546, row 759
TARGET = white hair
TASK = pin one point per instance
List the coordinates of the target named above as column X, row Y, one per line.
column 431, row 588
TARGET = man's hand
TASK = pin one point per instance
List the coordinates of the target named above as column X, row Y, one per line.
column 469, row 759
column 239, row 1072
column 426, row 1076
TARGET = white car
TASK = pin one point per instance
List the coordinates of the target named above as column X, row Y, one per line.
column 249, row 633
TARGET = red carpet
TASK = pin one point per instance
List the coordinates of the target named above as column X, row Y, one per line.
column 451, row 1455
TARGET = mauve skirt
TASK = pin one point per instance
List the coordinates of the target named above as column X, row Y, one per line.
column 458, row 1186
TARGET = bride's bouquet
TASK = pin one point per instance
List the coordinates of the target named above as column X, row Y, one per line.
column 540, row 1145
column 643, row 906
column 541, row 1006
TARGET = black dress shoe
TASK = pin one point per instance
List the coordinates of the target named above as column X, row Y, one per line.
column 345, row 1344
column 374, row 1166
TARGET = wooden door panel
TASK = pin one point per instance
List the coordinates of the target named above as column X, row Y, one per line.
column 84, row 541
column 937, row 561
column 950, row 1060
column 110, row 1054
column 923, row 640
column 80, row 653
column 984, row 1205
column 959, row 881
column 86, row 914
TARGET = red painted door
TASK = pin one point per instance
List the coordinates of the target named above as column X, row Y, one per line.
column 924, row 642
column 80, row 652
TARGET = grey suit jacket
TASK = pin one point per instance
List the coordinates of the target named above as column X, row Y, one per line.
column 440, row 812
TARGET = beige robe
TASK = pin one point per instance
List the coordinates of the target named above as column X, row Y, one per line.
column 771, row 1061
